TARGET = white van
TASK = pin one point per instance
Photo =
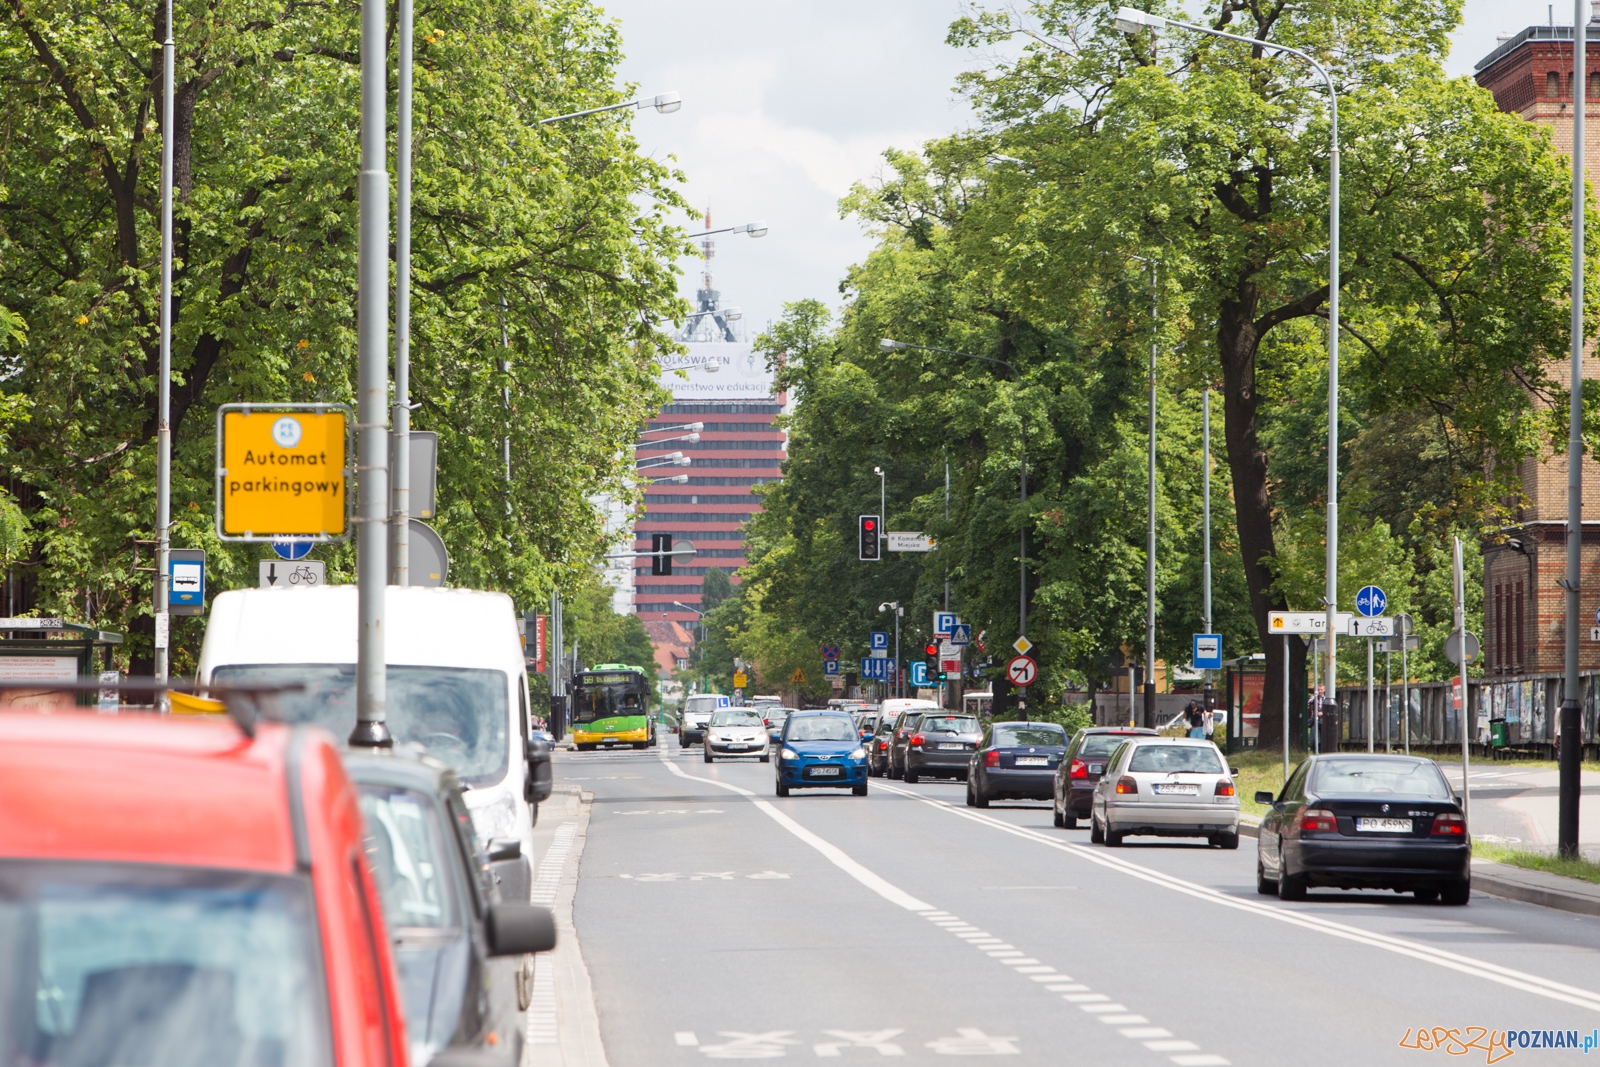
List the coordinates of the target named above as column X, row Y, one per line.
column 892, row 707
column 457, row 681
column 697, row 711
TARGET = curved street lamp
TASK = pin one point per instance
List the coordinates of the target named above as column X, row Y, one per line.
column 665, row 103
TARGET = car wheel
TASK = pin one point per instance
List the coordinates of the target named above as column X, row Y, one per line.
column 1069, row 822
column 972, row 799
column 980, row 799
column 1226, row 841
column 1264, row 885
column 1056, row 817
column 911, row 777
column 1113, row 838
column 1291, row 887
column 781, row 789
column 766, row 757
column 1457, row 893
column 683, row 740
column 1097, row 836
column 859, row 790
column 1426, row 896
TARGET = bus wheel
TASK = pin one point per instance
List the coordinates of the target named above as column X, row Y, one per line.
column 586, row 746
column 641, row 744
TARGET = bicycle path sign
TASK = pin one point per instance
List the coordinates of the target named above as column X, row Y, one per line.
column 298, row 574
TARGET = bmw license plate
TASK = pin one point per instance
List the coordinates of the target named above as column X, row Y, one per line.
column 1032, row 761
column 1383, row 826
column 951, row 748
column 826, row 772
column 1177, row 789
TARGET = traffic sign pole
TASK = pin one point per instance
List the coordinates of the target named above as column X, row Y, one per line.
column 1369, row 695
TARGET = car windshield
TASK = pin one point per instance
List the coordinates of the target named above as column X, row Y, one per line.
column 949, row 724
column 736, row 717
column 1098, row 745
column 1360, row 777
column 821, row 728
column 458, row 714
column 1029, row 737
column 405, row 846
column 1165, row 759
column 130, row 964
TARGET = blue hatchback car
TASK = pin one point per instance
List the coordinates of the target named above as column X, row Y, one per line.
column 821, row 748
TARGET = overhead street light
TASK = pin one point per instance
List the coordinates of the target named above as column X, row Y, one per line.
column 671, row 459
column 899, row 613
column 665, row 103
column 691, row 427
column 667, row 440
column 1132, row 20
column 754, row 229
column 680, row 479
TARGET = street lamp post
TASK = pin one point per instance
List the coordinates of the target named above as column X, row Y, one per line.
column 1131, row 20
column 888, row 345
column 665, row 103
column 1150, row 532
column 162, row 606
column 894, row 606
column 883, row 496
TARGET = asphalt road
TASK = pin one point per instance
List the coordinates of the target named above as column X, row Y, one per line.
column 721, row 922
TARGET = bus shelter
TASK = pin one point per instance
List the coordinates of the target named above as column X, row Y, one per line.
column 52, row 650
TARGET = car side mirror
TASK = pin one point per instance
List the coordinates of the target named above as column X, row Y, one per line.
column 513, row 928
column 504, row 848
column 1265, row 797
column 1234, row 771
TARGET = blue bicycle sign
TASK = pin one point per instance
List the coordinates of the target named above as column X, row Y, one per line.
column 1371, row 601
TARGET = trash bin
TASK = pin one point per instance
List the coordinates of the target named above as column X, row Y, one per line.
column 1497, row 733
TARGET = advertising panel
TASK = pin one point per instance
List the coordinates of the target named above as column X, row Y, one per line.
column 717, row 371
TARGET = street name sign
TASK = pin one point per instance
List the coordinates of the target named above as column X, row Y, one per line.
column 1306, row 623
column 1022, row 671
column 1371, row 601
column 903, row 541
column 299, row 574
column 283, row 470
column 1207, row 652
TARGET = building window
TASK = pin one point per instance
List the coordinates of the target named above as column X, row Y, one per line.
column 1594, row 85
column 1520, row 628
column 1552, row 84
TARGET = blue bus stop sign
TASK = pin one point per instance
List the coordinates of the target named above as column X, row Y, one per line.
column 1371, row 601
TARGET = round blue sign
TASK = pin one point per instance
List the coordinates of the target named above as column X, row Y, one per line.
column 292, row 547
column 1371, row 601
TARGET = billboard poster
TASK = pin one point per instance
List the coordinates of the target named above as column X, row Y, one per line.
column 717, row 371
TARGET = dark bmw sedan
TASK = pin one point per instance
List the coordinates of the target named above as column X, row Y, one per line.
column 1082, row 766
column 1015, row 761
column 941, row 746
column 1365, row 822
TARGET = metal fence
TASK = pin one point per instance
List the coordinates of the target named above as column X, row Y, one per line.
column 1528, row 707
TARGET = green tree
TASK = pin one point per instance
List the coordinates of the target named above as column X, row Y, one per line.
column 714, row 589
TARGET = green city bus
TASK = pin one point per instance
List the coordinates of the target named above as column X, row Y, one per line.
column 611, row 706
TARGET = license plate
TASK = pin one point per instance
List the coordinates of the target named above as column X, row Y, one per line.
column 1177, row 789
column 1097, row 768
column 951, row 748
column 826, row 772
column 1032, row 761
column 736, row 744
column 1384, row 826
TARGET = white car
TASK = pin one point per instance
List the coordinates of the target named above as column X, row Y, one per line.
column 737, row 732
column 1168, row 787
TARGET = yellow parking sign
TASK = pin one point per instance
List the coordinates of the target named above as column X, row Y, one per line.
column 282, row 470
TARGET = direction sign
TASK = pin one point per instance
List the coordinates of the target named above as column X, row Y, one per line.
column 919, row 674
column 1452, row 646
column 281, row 470
column 300, row 574
column 877, row 668
column 880, row 640
column 830, row 666
column 1371, row 601
column 943, row 623
column 901, row 541
column 1022, row 644
column 1306, row 623
column 1207, row 652
column 830, row 652
column 961, row 634
column 1381, row 626
column 1022, row 671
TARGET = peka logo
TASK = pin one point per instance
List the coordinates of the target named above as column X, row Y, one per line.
column 286, row 432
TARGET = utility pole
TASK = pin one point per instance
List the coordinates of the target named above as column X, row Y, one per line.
column 1571, row 755
column 1466, row 690
column 372, row 398
column 163, row 595
column 400, row 437
column 1150, row 549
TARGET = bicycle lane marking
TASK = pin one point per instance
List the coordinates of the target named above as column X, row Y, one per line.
column 1493, row 972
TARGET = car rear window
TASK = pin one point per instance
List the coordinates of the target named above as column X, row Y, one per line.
column 1362, row 777
column 1101, row 744
column 1164, row 759
column 949, row 724
column 1031, row 736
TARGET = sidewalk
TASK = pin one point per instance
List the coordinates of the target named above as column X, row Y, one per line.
column 1518, row 806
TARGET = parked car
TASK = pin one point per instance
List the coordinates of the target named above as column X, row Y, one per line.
column 880, row 747
column 1014, row 761
column 941, row 746
column 178, row 892
column 736, row 732
column 1082, row 766
column 820, row 748
column 1365, row 822
column 437, row 889
column 697, row 711
column 866, row 722
column 1166, row 786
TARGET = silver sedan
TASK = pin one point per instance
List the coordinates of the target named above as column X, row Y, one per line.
column 737, row 732
column 1167, row 787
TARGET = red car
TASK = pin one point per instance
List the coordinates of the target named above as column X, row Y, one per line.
column 174, row 893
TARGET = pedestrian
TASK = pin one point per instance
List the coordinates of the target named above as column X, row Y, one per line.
column 1196, row 719
column 1314, row 712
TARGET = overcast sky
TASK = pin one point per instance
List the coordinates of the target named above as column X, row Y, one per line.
column 786, row 105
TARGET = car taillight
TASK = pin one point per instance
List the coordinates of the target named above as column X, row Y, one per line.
column 1079, row 769
column 991, row 758
column 1448, row 822
column 1317, row 820
column 1224, row 787
column 917, row 740
column 1127, row 785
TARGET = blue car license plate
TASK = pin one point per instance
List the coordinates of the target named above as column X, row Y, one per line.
column 826, row 772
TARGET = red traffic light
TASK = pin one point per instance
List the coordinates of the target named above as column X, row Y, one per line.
column 930, row 649
column 868, row 524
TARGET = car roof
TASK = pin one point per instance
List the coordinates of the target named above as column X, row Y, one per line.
column 821, row 713
column 143, row 788
column 1131, row 731
column 1192, row 742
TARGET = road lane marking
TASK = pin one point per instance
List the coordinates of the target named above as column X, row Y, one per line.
column 686, row 1038
column 1468, row 965
column 877, row 1040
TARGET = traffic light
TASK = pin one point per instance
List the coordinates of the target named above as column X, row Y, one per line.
column 868, row 529
column 931, row 651
column 660, row 562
